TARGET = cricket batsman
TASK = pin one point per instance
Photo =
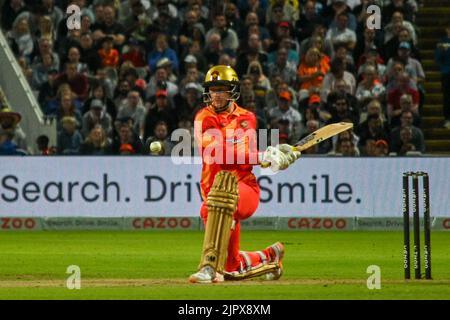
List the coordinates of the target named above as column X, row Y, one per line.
column 226, row 136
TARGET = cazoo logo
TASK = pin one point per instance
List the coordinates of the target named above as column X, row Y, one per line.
column 17, row 223
column 317, row 223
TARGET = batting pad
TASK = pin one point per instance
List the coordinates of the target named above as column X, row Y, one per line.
column 222, row 203
column 252, row 273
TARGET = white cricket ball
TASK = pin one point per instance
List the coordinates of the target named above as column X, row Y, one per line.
column 155, row 147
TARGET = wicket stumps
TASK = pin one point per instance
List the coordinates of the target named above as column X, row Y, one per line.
column 415, row 176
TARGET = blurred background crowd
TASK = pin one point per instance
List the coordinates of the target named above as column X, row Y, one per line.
column 133, row 72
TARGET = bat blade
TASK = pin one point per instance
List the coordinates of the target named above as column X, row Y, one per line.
column 322, row 134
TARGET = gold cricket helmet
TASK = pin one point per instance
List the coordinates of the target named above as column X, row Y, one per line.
column 221, row 75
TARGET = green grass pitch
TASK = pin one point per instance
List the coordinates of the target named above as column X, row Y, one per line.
column 156, row 265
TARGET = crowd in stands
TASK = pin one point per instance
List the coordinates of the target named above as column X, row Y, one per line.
column 133, row 72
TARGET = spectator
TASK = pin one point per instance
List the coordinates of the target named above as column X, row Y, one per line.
column 412, row 66
column 96, row 142
column 247, row 94
column 397, row 19
column 135, row 21
column 135, row 53
column 161, row 111
column 97, row 115
column 373, row 107
column 126, row 135
column 9, row 127
column 162, row 50
column 78, row 82
column 394, row 108
column 134, row 108
column 70, row 40
column 406, row 142
column 404, row 6
column 406, row 120
column 406, row 104
column 337, row 72
column 89, row 53
column 40, row 72
column 287, row 13
column 55, row 14
column 233, row 20
column 229, row 37
column 21, row 39
column 8, row 147
column 342, row 110
column 261, row 122
column 381, row 148
column 261, row 83
column 213, row 49
column 108, row 26
column 372, row 58
column 69, row 138
column 86, row 23
column 285, row 68
column 442, row 57
column 131, row 75
column 341, row 33
column 311, row 71
column 160, row 81
column 11, row 9
column 401, row 35
column 368, row 41
column 308, row 19
column 286, row 112
column 43, row 146
column 186, row 32
column 375, row 130
column 192, row 75
column 121, row 93
column 317, row 40
column 45, row 46
column 98, row 92
column 107, row 53
column 67, row 108
column 252, row 25
column 340, row 89
column 341, row 52
column 347, row 148
column 45, row 28
column 74, row 56
column 47, row 93
column 161, row 134
column 370, row 87
column 252, row 53
column 166, row 64
column 189, row 101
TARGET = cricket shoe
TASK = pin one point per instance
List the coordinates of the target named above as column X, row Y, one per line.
column 206, row 275
column 276, row 253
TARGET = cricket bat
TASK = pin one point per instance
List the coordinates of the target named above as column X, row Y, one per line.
column 318, row 136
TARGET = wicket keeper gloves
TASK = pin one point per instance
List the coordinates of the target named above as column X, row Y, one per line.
column 280, row 157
